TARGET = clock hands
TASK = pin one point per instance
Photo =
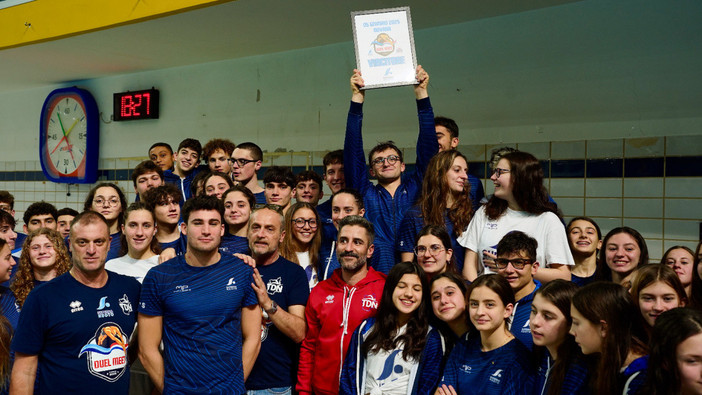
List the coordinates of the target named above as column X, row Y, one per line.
column 65, row 137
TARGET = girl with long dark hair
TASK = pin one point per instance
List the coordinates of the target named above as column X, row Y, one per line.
column 448, row 302
column 140, row 249
column 606, row 323
column 682, row 260
column 675, row 361
column 585, row 240
column 303, row 236
column 108, row 199
column 655, row 289
column 445, row 201
column 489, row 360
column 434, row 252
column 239, row 202
column 44, row 257
column 397, row 352
column 562, row 367
column 623, row 251
column 520, row 202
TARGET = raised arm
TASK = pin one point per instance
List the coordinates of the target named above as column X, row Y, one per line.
column 427, row 144
column 150, row 330
column 24, row 372
column 355, row 170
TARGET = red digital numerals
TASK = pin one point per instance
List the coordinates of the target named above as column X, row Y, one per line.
column 132, row 105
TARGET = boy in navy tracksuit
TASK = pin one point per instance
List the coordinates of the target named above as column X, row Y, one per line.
column 516, row 261
column 387, row 202
column 187, row 161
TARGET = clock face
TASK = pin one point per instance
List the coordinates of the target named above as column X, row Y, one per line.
column 69, row 132
column 66, row 135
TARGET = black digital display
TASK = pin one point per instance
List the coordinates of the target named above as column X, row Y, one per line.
column 136, row 105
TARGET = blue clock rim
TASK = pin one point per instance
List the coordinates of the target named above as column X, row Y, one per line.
column 92, row 137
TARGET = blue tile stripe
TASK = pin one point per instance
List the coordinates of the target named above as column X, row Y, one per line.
column 672, row 166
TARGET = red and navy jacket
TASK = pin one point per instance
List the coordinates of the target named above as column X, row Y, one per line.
column 333, row 312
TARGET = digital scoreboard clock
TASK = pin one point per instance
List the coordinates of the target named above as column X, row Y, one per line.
column 135, row 105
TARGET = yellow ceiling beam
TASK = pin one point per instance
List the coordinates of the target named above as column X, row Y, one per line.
column 44, row 20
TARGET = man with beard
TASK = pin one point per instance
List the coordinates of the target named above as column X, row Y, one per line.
column 282, row 291
column 337, row 306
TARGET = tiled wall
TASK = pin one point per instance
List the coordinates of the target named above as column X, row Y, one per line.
column 651, row 184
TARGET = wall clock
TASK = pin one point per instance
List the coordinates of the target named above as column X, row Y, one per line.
column 69, row 136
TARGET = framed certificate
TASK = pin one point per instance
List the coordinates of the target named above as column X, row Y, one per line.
column 384, row 44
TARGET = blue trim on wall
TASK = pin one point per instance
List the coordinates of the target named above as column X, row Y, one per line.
column 672, row 166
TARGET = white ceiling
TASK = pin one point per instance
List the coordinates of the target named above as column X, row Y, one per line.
column 231, row 30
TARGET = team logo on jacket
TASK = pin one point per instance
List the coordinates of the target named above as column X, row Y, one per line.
column 107, row 352
column 330, row 299
column 369, row 302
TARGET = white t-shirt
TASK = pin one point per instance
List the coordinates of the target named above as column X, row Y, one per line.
column 131, row 267
column 387, row 372
column 483, row 234
column 304, row 259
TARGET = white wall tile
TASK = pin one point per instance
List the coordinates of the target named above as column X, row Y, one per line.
column 600, row 207
column 474, row 153
column 19, row 166
column 539, row 150
column 683, row 186
column 655, row 250
column 683, row 145
column 644, row 147
column 649, row 228
column 671, row 243
column 607, row 224
column 683, row 208
column 605, row 148
column 571, row 206
column 646, row 208
column 567, row 187
column 568, row 150
column 603, row 187
column 643, row 187
column 682, row 230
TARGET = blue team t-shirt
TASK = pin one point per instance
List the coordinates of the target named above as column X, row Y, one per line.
column 232, row 244
column 260, row 197
column 81, row 334
column 505, row 370
column 276, row 365
column 180, row 245
column 201, row 310
column 520, row 318
column 115, row 246
column 8, row 306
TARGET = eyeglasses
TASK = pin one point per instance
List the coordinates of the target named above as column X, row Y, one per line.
column 241, row 161
column 517, row 263
column 101, row 201
column 434, row 249
column 500, row 172
column 392, row 159
column 300, row 222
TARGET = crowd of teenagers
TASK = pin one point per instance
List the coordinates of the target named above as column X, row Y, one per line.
column 415, row 283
